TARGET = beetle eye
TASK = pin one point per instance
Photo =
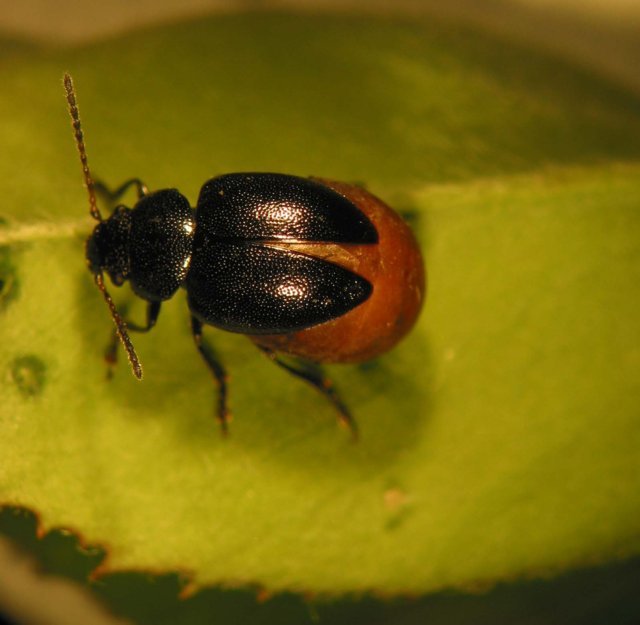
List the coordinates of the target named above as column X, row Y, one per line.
column 92, row 254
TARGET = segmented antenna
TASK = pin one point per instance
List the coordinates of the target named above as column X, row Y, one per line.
column 79, row 136
column 121, row 326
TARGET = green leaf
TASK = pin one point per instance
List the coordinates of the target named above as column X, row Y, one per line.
column 498, row 441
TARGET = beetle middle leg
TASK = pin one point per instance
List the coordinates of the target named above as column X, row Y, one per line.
column 313, row 374
column 111, row 353
column 217, row 371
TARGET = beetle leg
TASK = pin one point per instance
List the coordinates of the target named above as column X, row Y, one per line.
column 112, row 196
column 313, row 374
column 217, row 371
column 111, row 353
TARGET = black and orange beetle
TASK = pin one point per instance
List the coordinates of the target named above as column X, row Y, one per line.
column 305, row 267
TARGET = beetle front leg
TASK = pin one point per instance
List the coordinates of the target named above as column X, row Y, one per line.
column 217, row 371
column 112, row 196
column 111, row 353
column 313, row 374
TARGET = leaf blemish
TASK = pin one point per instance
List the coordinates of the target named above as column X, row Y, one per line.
column 396, row 501
column 29, row 374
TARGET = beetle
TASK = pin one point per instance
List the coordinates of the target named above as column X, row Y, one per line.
column 314, row 269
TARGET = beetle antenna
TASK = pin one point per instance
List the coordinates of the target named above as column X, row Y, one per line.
column 79, row 136
column 121, row 328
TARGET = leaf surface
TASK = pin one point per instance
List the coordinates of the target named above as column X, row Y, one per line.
column 499, row 440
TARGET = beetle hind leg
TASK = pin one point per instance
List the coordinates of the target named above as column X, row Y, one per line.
column 313, row 374
column 217, row 371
